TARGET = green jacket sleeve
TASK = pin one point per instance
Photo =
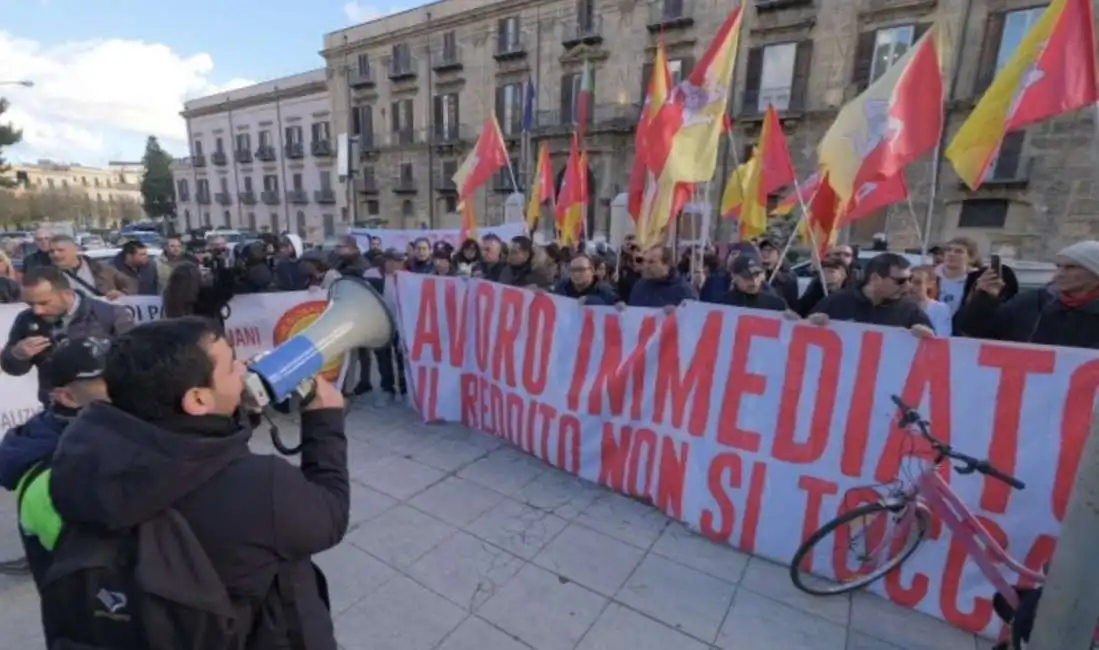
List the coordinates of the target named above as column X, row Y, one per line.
column 37, row 516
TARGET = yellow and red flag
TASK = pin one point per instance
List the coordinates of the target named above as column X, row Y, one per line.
column 541, row 187
column 469, row 220
column 660, row 82
column 571, row 199
column 892, row 123
column 790, row 201
column 1053, row 71
column 747, row 189
column 820, row 227
column 682, row 142
column 875, row 195
column 489, row 156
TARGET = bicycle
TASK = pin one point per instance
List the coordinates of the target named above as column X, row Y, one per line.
column 907, row 509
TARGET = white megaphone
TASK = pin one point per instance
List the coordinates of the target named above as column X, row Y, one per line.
column 356, row 317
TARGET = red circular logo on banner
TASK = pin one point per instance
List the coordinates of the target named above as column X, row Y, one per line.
column 295, row 320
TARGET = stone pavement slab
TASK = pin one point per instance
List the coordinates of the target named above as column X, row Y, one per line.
column 460, row 542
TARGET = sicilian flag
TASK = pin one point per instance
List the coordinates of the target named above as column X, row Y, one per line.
column 489, row 156
column 660, row 82
column 769, row 170
column 1052, row 72
column 821, row 225
column 541, row 188
column 571, row 200
column 790, row 201
column 892, row 123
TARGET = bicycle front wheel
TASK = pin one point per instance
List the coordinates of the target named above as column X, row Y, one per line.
column 864, row 518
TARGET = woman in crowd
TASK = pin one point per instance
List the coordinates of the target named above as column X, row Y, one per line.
column 441, row 262
column 9, row 286
column 925, row 291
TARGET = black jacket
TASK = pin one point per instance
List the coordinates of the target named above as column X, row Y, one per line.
column 92, row 318
column 249, row 512
column 527, row 274
column 670, row 290
column 853, row 305
column 765, row 299
column 598, row 293
column 814, row 293
column 1033, row 316
column 37, row 258
column 9, row 291
column 785, row 285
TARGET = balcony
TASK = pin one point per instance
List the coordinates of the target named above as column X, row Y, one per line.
column 366, row 185
column 511, row 47
column 669, row 14
column 198, row 160
column 368, row 144
column 243, row 156
column 444, row 181
column 269, row 197
column 776, row 5
column 587, row 31
column 753, row 103
column 402, row 68
column 403, row 138
column 297, row 197
column 325, row 197
column 295, row 151
column 361, row 78
column 447, row 59
column 223, row 198
column 202, row 198
column 266, row 153
column 501, row 182
column 449, row 134
column 321, row 148
column 248, row 197
column 405, row 184
column 219, row 158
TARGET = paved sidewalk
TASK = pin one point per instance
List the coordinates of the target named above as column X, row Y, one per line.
column 459, row 542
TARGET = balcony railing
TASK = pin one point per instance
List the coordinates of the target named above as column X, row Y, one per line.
column 198, row 160
column 202, row 198
column 366, row 185
column 367, row 141
column 754, row 101
column 297, row 197
column 219, row 158
column 404, row 137
column 403, row 184
column 445, row 58
column 223, row 198
column 403, row 67
column 243, row 156
column 442, row 134
column 269, row 197
column 358, row 78
column 266, row 153
column 665, row 14
column 321, row 148
column 774, row 5
column 295, row 151
column 248, row 197
column 588, row 29
column 509, row 47
column 324, row 197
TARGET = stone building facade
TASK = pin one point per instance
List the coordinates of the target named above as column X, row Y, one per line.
column 97, row 196
column 414, row 88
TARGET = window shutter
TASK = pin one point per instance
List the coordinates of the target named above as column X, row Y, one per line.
column 394, row 119
column 799, row 85
column 567, row 81
column 356, row 120
column 753, row 77
column 455, row 117
column 437, row 118
column 368, row 119
column 1009, row 160
column 501, row 35
column 990, row 51
column 688, row 64
column 407, row 121
column 646, row 77
column 591, row 97
column 864, row 59
column 500, row 113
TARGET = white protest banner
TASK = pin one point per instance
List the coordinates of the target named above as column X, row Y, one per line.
column 755, row 430
column 257, row 323
column 400, row 239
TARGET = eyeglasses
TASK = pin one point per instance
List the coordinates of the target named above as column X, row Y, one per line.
column 902, row 280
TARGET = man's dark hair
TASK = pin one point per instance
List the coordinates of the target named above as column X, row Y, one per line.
column 39, row 274
column 441, row 255
column 881, row 265
column 131, row 247
column 151, row 367
column 523, row 243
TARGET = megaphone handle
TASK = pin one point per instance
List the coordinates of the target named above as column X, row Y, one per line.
column 307, row 391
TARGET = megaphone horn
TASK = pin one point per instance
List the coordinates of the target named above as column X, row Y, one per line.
column 356, row 317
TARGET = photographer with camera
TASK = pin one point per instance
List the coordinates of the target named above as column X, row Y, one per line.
column 56, row 312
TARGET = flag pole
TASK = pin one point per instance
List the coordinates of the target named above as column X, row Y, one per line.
column 793, row 233
column 812, row 236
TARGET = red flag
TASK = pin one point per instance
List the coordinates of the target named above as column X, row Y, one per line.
column 876, row 195
column 660, row 83
column 489, row 156
column 822, row 219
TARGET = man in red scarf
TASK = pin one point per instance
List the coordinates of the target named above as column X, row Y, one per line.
column 1064, row 313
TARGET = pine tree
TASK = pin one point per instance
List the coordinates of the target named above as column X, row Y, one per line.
column 9, row 135
column 157, row 187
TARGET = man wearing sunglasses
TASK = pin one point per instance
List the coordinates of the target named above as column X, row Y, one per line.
column 75, row 372
column 880, row 299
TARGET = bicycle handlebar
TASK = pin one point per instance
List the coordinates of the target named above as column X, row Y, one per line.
column 911, row 417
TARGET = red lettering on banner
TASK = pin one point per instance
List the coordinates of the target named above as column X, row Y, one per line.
column 507, row 333
column 538, row 351
column 785, row 446
column 457, row 322
column 726, row 471
column 740, row 382
column 929, row 374
column 484, row 308
column 697, row 381
column 1075, row 427
column 426, row 393
column 857, row 432
column 1040, row 554
column 613, row 372
column 951, row 585
column 583, row 360
column 244, row 336
column 815, row 490
column 1014, row 363
column 629, row 458
column 426, row 333
column 470, row 413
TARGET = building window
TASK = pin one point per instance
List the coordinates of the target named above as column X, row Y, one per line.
column 301, row 223
column 49, row 182
column 450, row 203
column 406, row 174
column 244, row 142
column 95, row 181
column 776, row 77
column 508, row 35
column 363, row 65
column 983, row 213
column 224, row 185
column 329, row 225
column 227, row 219
column 84, row 181
column 402, row 58
column 509, row 108
column 326, row 180
column 187, row 218
column 445, row 116
column 571, row 84
column 274, row 222
column 1016, row 25
column 362, row 120
column 889, row 45
column 271, row 183
column 402, row 116
column 450, row 47
column 252, row 221
column 198, row 147
column 64, row 182
column 372, row 208
column 408, row 210
column 293, row 134
column 319, row 131
column 264, row 138
column 206, row 220
column 219, row 147
column 248, row 184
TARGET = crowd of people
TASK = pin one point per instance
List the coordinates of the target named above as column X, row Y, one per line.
column 154, row 461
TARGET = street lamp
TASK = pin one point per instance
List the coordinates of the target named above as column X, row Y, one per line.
column 26, row 83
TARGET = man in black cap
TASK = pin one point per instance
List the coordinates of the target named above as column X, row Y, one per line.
column 75, row 372
column 780, row 279
column 749, row 289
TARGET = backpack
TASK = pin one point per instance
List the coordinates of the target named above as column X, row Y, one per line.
column 152, row 587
